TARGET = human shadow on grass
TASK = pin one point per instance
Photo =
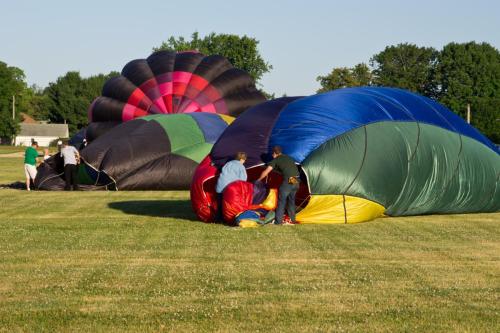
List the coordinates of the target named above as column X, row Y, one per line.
column 178, row 209
column 15, row 186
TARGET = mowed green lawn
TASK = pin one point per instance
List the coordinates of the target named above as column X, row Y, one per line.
column 140, row 262
column 11, row 170
column 11, row 149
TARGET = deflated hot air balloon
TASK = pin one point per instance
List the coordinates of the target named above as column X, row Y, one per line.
column 155, row 152
column 363, row 153
column 172, row 82
column 50, row 176
column 166, row 83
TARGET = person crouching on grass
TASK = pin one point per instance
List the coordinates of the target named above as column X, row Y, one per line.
column 71, row 158
column 284, row 165
column 30, row 159
column 231, row 172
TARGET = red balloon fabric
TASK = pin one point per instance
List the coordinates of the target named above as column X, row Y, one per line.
column 236, row 198
column 203, row 196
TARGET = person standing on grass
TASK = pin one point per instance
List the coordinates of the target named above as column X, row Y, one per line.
column 30, row 156
column 231, row 172
column 71, row 158
column 284, row 165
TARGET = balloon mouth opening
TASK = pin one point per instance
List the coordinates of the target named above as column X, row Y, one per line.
column 273, row 181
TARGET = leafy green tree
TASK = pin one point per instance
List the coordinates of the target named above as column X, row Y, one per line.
column 362, row 74
column 459, row 74
column 241, row 51
column 12, row 83
column 70, row 96
column 486, row 117
column 406, row 66
column 342, row 77
column 36, row 103
column 469, row 73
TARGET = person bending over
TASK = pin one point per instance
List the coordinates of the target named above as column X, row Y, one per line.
column 284, row 165
column 231, row 172
column 71, row 158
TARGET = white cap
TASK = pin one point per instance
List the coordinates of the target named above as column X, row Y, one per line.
column 59, row 142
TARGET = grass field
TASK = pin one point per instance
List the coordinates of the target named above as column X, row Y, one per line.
column 11, row 170
column 139, row 261
column 11, row 149
column 20, row 149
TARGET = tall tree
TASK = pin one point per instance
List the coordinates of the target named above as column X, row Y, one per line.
column 362, row 74
column 342, row 77
column 406, row 66
column 36, row 103
column 458, row 75
column 486, row 117
column 12, row 83
column 469, row 73
column 70, row 97
column 241, row 51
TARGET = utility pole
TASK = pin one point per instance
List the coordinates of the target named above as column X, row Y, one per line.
column 468, row 113
column 13, row 107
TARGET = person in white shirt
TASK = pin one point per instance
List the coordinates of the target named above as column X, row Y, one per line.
column 71, row 158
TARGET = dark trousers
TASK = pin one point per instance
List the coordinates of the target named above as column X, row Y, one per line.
column 70, row 176
column 219, row 217
column 286, row 197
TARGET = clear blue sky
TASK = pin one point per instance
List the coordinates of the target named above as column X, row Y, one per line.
column 301, row 39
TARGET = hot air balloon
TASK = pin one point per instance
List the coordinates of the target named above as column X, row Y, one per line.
column 166, row 83
column 172, row 82
column 155, row 152
column 363, row 152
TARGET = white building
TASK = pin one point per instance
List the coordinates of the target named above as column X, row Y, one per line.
column 44, row 134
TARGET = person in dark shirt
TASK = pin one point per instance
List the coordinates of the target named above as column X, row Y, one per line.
column 285, row 165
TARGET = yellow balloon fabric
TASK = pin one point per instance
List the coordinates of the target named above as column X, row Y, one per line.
column 227, row 119
column 271, row 200
column 248, row 224
column 329, row 209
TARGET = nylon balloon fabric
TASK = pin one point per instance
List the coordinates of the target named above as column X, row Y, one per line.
column 169, row 83
column 365, row 152
column 250, row 132
column 156, row 152
column 50, row 176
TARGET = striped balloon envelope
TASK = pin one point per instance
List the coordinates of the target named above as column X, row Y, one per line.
column 363, row 152
column 155, row 152
column 169, row 83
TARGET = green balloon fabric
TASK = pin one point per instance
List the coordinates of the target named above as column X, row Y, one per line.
column 409, row 168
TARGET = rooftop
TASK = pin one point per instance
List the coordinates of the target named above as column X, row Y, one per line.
column 56, row 130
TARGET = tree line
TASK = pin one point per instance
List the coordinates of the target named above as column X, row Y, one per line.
column 67, row 99
column 460, row 74
column 457, row 75
column 63, row 101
